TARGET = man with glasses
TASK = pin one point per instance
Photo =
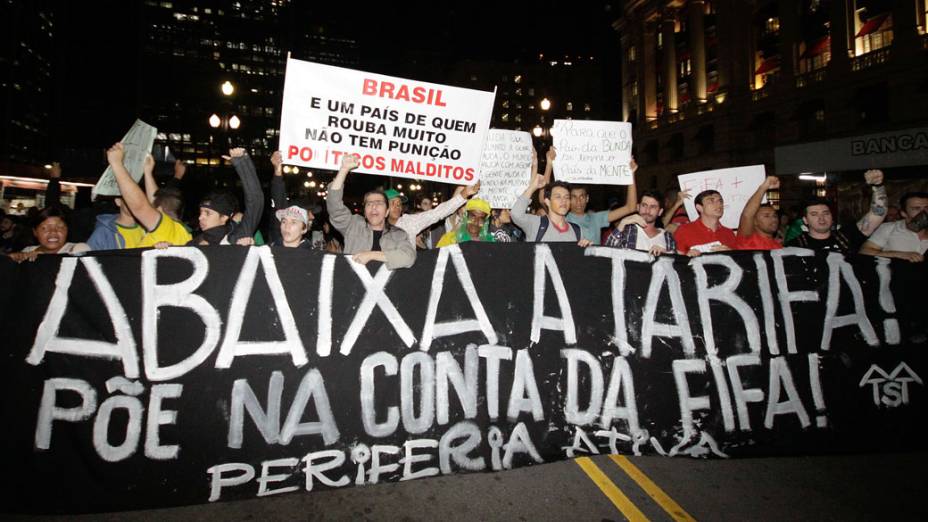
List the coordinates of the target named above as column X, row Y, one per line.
column 368, row 238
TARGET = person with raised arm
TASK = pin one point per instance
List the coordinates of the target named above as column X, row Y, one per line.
column 216, row 209
column 848, row 238
column 371, row 237
column 759, row 223
column 159, row 228
column 553, row 227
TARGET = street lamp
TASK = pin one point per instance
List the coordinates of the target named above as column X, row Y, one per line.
column 537, row 131
column 545, row 104
column 227, row 88
column 233, row 122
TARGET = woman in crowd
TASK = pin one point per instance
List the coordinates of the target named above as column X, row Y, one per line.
column 51, row 232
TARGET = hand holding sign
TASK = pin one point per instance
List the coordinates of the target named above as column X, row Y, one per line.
column 115, row 154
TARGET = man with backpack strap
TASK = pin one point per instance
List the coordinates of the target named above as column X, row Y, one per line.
column 551, row 228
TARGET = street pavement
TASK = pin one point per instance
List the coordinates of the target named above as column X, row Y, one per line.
column 606, row 488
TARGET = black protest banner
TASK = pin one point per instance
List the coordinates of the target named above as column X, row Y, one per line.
column 188, row 375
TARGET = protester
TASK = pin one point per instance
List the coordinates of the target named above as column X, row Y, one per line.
column 429, row 237
column 475, row 226
column 51, row 232
column 640, row 231
column 170, row 198
column 674, row 212
column 368, row 238
column 502, row 228
column 557, row 200
column 159, row 228
column 290, row 223
column 591, row 223
column 413, row 224
column 9, row 234
column 847, row 239
column 706, row 234
column 218, row 207
column 759, row 223
column 904, row 239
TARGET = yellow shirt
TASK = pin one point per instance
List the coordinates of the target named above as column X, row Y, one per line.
column 448, row 238
column 168, row 231
column 130, row 235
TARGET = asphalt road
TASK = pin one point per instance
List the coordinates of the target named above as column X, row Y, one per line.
column 605, row 488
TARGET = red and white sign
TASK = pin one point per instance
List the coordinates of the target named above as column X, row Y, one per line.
column 401, row 128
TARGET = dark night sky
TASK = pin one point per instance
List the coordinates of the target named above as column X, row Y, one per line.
column 100, row 46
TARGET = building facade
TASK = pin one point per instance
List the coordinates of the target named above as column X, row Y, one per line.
column 718, row 83
column 212, row 73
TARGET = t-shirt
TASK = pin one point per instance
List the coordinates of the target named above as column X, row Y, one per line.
column 897, row 238
column 590, row 224
column 529, row 223
column 757, row 242
column 846, row 240
column 696, row 233
column 167, row 231
column 377, row 235
column 130, row 235
column 67, row 248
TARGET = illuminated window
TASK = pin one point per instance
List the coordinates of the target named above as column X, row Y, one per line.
column 517, row 78
column 570, row 106
column 586, row 107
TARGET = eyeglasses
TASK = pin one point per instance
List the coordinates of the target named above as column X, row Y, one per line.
column 376, row 203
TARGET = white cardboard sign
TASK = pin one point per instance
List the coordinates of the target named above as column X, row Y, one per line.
column 597, row 152
column 403, row 128
column 505, row 167
column 137, row 143
column 736, row 185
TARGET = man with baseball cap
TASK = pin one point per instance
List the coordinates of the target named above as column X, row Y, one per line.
column 216, row 210
column 293, row 221
column 474, row 227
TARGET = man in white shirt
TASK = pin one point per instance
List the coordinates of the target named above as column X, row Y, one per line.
column 640, row 232
column 905, row 239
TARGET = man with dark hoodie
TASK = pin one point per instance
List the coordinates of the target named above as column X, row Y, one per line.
column 216, row 210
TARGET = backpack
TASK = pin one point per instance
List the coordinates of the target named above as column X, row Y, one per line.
column 543, row 227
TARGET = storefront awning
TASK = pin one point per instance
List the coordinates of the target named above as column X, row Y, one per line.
column 768, row 65
column 872, row 25
column 820, row 46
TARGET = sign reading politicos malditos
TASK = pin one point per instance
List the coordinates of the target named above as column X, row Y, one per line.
column 399, row 127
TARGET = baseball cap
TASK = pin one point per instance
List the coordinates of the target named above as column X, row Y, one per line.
column 393, row 193
column 293, row 211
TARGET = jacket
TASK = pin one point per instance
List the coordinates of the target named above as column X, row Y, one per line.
column 394, row 242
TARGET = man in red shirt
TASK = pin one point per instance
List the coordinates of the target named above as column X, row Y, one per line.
column 759, row 223
column 706, row 234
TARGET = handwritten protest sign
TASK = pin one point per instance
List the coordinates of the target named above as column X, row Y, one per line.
column 506, row 167
column 399, row 127
column 735, row 184
column 137, row 142
column 593, row 151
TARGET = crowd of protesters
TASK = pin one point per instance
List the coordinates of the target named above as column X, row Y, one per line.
column 386, row 231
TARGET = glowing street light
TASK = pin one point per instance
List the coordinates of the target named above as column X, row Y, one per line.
column 234, row 122
column 228, row 88
column 545, row 104
column 537, row 131
column 214, row 121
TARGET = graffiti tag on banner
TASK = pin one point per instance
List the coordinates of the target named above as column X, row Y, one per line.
column 736, row 185
column 402, row 128
column 506, row 167
column 137, row 142
column 597, row 152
